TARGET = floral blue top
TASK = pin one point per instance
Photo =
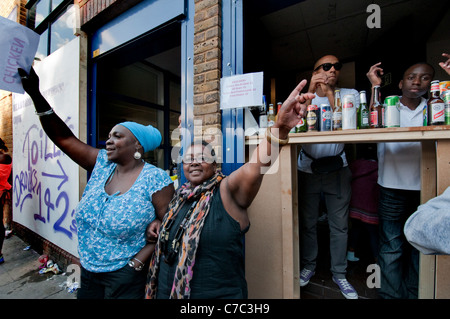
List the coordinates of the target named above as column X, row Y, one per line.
column 111, row 228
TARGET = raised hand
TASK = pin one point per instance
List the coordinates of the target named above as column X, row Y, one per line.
column 293, row 108
column 375, row 73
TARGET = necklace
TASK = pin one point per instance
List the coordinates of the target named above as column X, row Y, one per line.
column 171, row 251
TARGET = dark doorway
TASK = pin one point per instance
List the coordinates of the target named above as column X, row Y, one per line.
column 140, row 81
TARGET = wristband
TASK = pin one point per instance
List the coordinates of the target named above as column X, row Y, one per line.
column 271, row 138
column 48, row 112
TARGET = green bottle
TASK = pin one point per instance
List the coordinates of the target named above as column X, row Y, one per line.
column 363, row 112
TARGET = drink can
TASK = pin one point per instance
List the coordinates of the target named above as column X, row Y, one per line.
column 312, row 118
column 301, row 126
column 325, row 117
column 392, row 111
column 446, row 98
column 349, row 112
column 443, row 87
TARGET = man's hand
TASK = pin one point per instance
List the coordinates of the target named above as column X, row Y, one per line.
column 374, row 74
column 318, row 80
column 445, row 65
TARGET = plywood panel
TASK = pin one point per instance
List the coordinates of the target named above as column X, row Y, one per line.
column 427, row 263
column 263, row 244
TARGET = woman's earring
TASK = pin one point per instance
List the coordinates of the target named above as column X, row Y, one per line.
column 137, row 155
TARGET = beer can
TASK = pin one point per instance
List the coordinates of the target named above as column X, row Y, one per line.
column 443, row 87
column 301, row 126
column 425, row 115
column 312, row 118
column 325, row 117
column 392, row 111
column 446, row 98
column 349, row 112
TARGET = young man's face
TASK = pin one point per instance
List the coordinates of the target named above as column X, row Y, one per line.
column 416, row 80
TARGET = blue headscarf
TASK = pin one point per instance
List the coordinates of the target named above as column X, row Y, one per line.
column 148, row 136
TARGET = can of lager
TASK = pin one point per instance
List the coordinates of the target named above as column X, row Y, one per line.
column 301, row 126
column 446, row 98
column 325, row 117
column 425, row 115
column 443, row 87
column 349, row 112
column 392, row 111
column 312, row 118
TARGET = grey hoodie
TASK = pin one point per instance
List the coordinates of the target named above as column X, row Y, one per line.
column 428, row 229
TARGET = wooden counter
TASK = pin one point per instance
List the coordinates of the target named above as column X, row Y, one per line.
column 272, row 244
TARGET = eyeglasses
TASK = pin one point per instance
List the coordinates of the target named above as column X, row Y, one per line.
column 327, row 66
column 187, row 159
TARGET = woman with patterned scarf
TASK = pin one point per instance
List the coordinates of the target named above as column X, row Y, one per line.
column 199, row 252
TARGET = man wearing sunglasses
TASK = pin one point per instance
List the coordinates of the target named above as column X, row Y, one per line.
column 330, row 184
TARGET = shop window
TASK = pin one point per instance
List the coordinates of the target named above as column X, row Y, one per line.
column 53, row 20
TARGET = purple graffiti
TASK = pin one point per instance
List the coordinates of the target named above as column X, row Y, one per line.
column 30, row 185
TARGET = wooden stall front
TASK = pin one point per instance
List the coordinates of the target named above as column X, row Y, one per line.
column 272, row 244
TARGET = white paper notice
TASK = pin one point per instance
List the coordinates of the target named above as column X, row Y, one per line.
column 241, row 90
column 18, row 46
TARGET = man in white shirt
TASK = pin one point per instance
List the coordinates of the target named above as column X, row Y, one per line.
column 333, row 186
column 399, row 180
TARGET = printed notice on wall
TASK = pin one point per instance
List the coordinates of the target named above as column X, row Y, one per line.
column 241, row 90
column 45, row 180
column 18, row 45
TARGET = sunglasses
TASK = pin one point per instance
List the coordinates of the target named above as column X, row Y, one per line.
column 327, row 66
column 187, row 159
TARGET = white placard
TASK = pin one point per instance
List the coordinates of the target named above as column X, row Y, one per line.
column 45, row 180
column 241, row 90
column 18, row 45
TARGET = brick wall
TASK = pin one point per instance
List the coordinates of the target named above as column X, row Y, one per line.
column 207, row 69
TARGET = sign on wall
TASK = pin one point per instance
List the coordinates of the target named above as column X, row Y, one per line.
column 45, row 180
column 241, row 90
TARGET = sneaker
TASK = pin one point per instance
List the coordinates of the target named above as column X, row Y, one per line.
column 1, row 259
column 305, row 276
column 346, row 288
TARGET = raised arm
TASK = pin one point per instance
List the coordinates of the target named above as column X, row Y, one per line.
column 445, row 65
column 80, row 152
column 244, row 183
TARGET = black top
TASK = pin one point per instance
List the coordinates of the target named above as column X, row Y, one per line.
column 219, row 264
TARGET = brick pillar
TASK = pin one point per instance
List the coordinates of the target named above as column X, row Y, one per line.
column 207, row 70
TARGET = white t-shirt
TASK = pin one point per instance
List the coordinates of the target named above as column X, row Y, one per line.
column 322, row 150
column 399, row 162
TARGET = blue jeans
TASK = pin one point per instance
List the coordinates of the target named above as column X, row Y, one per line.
column 398, row 260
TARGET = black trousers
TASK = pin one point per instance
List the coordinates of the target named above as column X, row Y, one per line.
column 124, row 283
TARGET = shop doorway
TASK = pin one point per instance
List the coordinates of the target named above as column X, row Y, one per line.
column 141, row 81
column 285, row 38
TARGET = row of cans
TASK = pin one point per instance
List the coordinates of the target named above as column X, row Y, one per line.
column 321, row 118
column 318, row 118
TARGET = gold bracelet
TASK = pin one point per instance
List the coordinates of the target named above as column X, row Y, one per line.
column 270, row 137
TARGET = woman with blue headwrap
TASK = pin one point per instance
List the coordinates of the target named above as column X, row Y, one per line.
column 123, row 196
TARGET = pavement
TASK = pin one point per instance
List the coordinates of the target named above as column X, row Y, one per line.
column 20, row 277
